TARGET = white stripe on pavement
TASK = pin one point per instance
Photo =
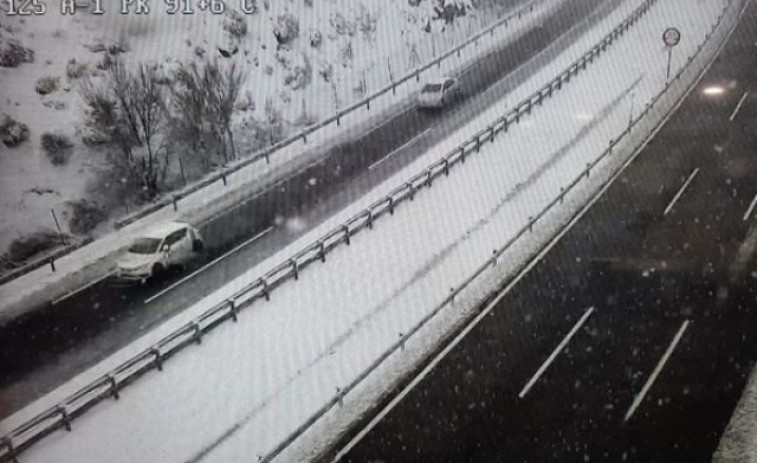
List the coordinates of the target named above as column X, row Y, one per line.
column 680, row 192
column 750, row 209
column 738, row 106
column 208, row 265
column 555, row 353
column 398, row 150
column 86, row 286
column 657, row 370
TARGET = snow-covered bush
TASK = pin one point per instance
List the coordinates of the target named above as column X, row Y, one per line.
column 47, row 85
column 287, row 28
column 12, row 132
column 316, row 38
column 75, row 70
column 29, row 246
column 12, row 53
column 85, row 216
column 57, row 147
column 235, row 24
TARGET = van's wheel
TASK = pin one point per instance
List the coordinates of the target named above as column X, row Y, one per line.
column 158, row 270
column 198, row 246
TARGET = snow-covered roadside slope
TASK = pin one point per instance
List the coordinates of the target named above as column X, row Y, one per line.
column 338, row 42
column 93, row 261
column 263, row 376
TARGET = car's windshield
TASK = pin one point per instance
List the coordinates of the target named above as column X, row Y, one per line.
column 144, row 246
column 432, row 88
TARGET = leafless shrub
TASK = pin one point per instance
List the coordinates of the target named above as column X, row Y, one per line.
column 57, row 147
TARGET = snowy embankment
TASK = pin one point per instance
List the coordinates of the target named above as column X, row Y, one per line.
column 96, row 259
column 739, row 441
column 251, row 384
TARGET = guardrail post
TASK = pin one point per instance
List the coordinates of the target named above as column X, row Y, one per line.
column 339, row 397
column 446, row 170
column 411, row 187
column 402, row 341
column 562, row 194
column 346, row 231
column 175, row 205
column 391, row 205
column 478, row 143
column 64, row 417
column 266, row 291
column 304, row 138
column 52, row 264
column 430, row 176
column 531, row 224
column 588, row 169
column 8, row 444
column 368, row 104
column 113, row 387
column 158, row 358
column 322, row 251
column 370, row 219
column 491, row 129
column 462, row 154
column 233, row 309
column 295, row 268
column 198, row 333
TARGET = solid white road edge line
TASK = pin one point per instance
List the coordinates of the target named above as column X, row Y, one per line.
column 555, row 353
column 82, row 288
column 750, row 209
column 738, row 107
column 657, row 370
column 352, row 443
column 398, row 150
column 208, row 265
column 680, row 192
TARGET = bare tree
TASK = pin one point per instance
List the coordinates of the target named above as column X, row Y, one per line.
column 203, row 102
column 129, row 110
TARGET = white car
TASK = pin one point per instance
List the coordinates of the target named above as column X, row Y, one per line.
column 438, row 93
column 162, row 246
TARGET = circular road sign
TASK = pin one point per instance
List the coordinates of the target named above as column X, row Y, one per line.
column 671, row 36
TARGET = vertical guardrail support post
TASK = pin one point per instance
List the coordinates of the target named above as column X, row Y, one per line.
column 391, row 205
column 113, row 387
column 11, row 451
column 562, row 194
column 411, row 187
column 295, row 268
column 462, row 154
column 233, row 309
column 322, row 251
column 64, row 417
column 175, row 203
column 346, row 231
column 370, row 219
column 197, row 336
column 158, row 358
column 52, row 264
column 266, row 291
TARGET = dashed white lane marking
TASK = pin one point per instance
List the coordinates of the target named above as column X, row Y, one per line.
column 555, row 353
column 656, row 372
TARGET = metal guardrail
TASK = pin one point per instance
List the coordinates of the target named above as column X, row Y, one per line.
column 265, row 154
column 109, row 385
column 491, row 262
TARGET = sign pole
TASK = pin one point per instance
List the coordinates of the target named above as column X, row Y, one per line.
column 670, row 37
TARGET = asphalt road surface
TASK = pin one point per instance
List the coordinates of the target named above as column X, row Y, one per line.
column 43, row 349
column 632, row 339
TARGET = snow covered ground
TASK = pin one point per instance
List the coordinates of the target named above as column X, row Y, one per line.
column 94, row 260
column 250, row 384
